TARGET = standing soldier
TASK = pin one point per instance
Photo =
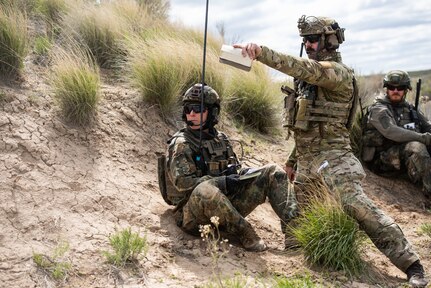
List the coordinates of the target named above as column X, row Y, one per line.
column 320, row 118
column 397, row 137
column 202, row 181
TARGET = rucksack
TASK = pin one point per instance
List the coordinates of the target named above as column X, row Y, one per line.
column 163, row 178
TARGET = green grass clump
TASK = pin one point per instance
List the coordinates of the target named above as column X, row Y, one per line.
column 53, row 266
column 13, row 41
column 167, row 68
column 53, row 11
column 102, row 30
column 25, row 6
column 75, row 80
column 238, row 281
column 42, row 45
column 127, row 247
column 253, row 100
column 426, row 229
column 298, row 281
column 329, row 238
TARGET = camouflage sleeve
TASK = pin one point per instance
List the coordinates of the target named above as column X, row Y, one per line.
column 182, row 168
column 425, row 123
column 330, row 75
column 383, row 120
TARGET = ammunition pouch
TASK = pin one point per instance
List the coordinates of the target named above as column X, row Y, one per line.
column 320, row 111
column 289, row 106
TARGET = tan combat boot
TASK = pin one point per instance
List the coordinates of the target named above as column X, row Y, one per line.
column 250, row 240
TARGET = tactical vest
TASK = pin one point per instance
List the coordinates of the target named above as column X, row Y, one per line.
column 212, row 159
column 304, row 106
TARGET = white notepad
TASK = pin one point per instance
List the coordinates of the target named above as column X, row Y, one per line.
column 232, row 56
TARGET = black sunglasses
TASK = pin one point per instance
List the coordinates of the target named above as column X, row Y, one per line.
column 194, row 107
column 311, row 38
column 399, row 88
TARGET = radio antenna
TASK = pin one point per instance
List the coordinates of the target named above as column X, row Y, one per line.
column 203, row 72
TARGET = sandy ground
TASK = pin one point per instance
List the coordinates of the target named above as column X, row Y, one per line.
column 65, row 184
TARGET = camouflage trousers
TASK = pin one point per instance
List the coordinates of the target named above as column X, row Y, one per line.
column 342, row 173
column 413, row 157
column 208, row 200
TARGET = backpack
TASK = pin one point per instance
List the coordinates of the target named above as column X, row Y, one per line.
column 163, row 178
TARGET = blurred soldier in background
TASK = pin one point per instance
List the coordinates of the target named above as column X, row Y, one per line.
column 396, row 136
column 201, row 177
column 320, row 111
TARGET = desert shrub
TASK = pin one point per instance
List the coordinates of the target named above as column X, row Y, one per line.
column 13, row 41
column 54, row 266
column 42, row 45
column 102, row 30
column 75, row 80
column 329, row 237
column 253, row 100
column 158, row 8
column 53, row 12
column 127, row 247
column 167, row 68
column 25, row 6
column 135, row 16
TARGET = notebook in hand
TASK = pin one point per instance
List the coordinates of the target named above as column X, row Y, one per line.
column 232, row 56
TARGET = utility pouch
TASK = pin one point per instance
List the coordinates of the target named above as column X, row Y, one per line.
column 213, row 168
column 301, row 122
column 289, row 106
column 289, row 110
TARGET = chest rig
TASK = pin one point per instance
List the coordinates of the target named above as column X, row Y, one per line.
column 214, row 156
column 305, row 104
column 406, row 116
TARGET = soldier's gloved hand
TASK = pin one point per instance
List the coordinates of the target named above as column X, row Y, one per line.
column 231, row 169
column 427, row 138
column 233, row 184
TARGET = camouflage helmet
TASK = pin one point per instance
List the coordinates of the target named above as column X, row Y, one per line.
column 193, row 94
column 397, row 78
column 327, row 27
column 211, row 101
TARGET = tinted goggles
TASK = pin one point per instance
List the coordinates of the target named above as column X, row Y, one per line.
column 311, row 38
column 194, row 107
column 399, row 88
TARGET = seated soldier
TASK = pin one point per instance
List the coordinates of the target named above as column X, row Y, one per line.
column 396, row 136
column 202, row 181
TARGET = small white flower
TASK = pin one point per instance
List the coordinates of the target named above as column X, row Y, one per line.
column 215, row 220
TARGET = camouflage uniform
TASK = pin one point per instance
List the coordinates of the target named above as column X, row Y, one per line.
column 395, row 140
column 208, row 194
column 319, row 141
